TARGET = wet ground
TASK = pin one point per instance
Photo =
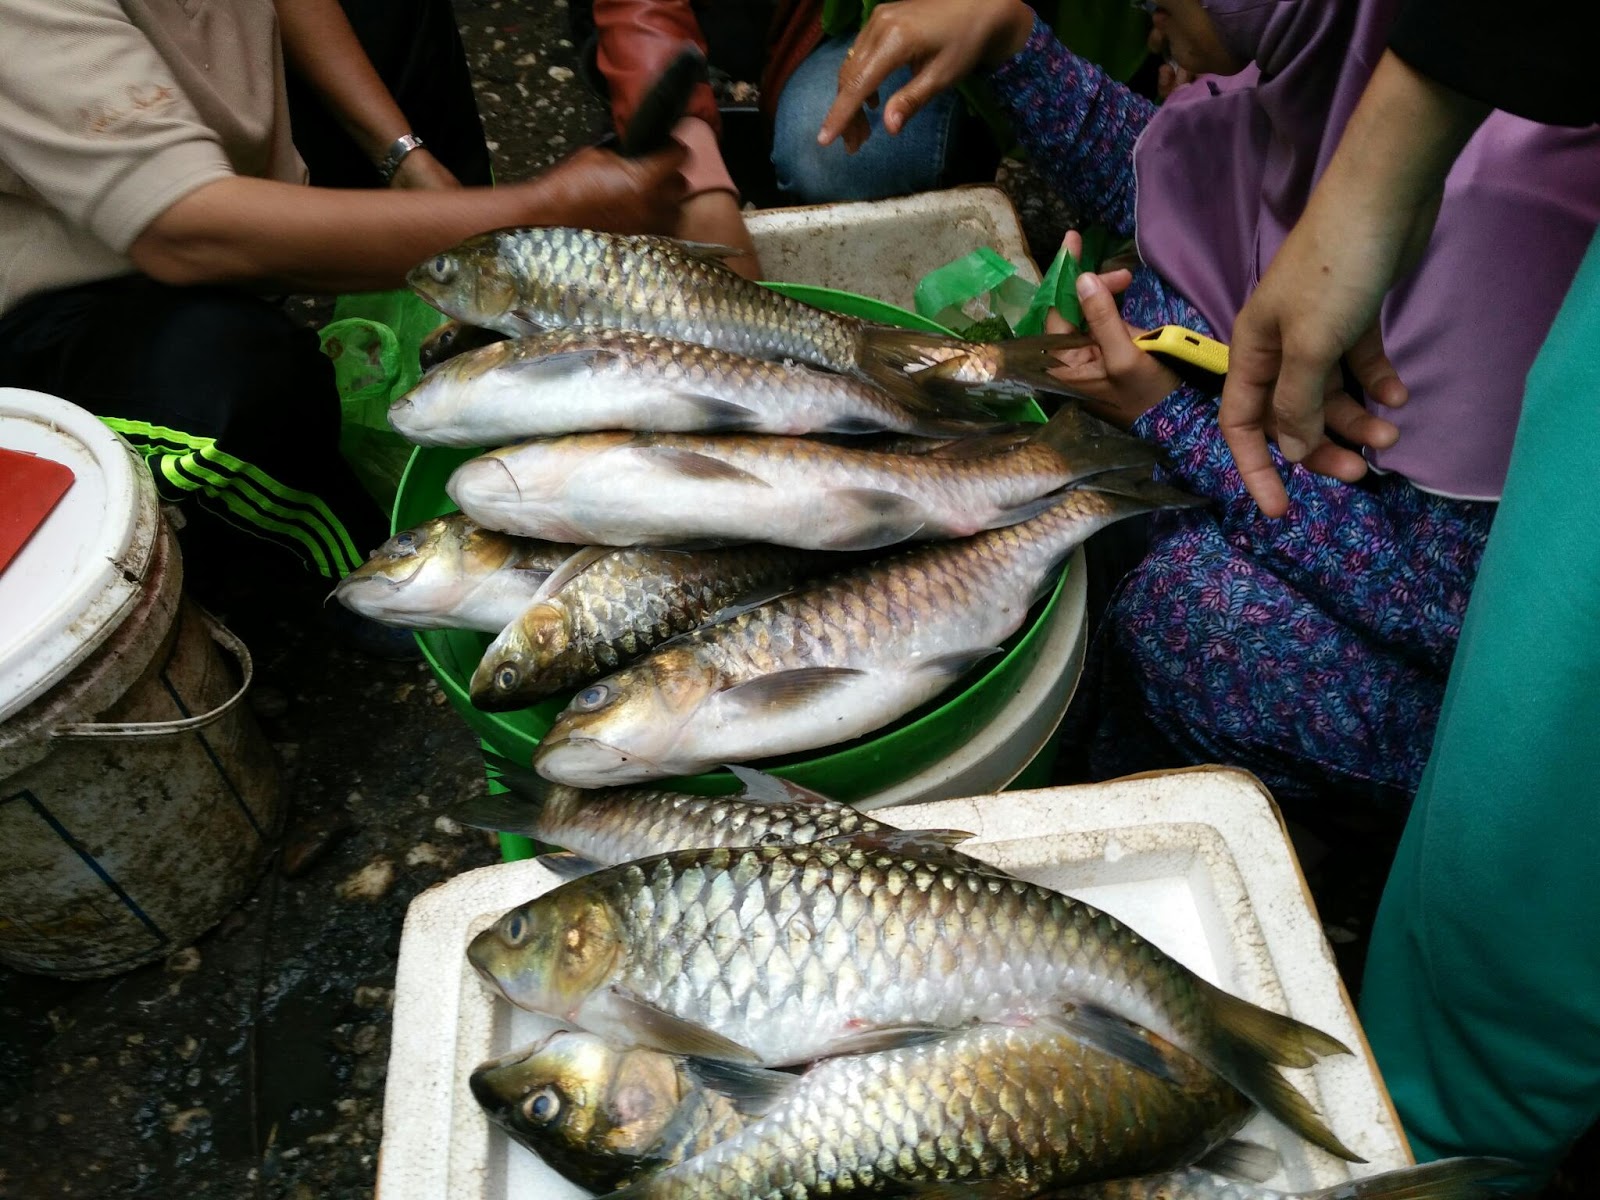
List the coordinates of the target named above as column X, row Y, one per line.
column 250, row 1066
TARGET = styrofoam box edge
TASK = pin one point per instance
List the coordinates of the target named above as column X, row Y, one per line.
column 1139, row 848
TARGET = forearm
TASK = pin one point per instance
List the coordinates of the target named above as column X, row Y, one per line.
column 1390, row 166
column 1077, row 124
column 257, row 231
column 320, row 44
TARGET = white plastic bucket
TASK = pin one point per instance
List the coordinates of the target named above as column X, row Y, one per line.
column 137, row 796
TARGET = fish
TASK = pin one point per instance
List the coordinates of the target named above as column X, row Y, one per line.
column 1002, row 1110
column 1444, row 1179
column 594, row 380
column 619, row 489
column 450, row 573
column 604, row 607
column 832, row 660
column 604, row 827
column 527, row 280
column 601, row 1116
column 777, row 955
column 450, row 339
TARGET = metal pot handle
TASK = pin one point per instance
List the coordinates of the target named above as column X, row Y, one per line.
column 225, row 638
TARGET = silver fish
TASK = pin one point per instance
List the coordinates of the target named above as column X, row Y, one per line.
column 592, row 380
column 620, row 490
column 450, row 573
column 831, row 661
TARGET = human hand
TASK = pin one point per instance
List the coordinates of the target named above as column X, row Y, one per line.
column 943, row 40
column 1116, row 380
column 714, row 217
column 596, row 189
column 1169, row 78
column 421, row 171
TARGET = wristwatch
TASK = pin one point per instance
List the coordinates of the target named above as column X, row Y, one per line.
column 398, row 149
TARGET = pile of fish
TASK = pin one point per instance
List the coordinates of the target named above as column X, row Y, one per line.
column 795, row 1000
column 727, row 525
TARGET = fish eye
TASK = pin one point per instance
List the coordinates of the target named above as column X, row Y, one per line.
column 442, row 268
column 405, row 543
column 507, row 677
column 516, row 929
column 542, row 1107
column 591, row 698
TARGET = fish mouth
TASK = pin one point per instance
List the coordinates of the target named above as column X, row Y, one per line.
column 624, row 766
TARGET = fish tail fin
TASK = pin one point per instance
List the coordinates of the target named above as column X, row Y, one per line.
column 896, row 360
column 1138, row 485
column 1028, row 361
column 1090, row 446
column 524, row 801
column 1251, row 1039
column 1446, row 1179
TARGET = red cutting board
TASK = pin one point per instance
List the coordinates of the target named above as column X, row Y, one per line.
column 32, row 486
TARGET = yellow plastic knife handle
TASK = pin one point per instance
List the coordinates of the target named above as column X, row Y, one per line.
column 1186, row 346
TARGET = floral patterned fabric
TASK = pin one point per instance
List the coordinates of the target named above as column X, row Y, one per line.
column 1311, row 650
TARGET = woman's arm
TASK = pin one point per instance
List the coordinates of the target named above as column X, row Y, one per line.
column 319, row 43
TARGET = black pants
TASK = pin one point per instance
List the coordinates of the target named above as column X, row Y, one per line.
column 235, row 407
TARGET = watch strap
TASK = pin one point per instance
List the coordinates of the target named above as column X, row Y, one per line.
column 398, row 149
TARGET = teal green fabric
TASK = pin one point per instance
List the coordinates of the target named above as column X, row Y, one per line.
column 1482, row 989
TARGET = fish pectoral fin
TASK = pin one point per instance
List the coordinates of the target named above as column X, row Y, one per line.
column 1243, row 1160
column 720, row 415
column 759, row 787
column 660, row 1030
column 568, row 570
column 789, row 689
column 1111, row 1034
column 567, row 865
column 953, row 666
column 753, row 1091
column 887, row 1037
column 560, row 364
column 693, row 465
column 877, row 518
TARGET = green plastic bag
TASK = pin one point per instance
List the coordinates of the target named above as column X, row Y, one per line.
column 374, row 340
column 980, row 296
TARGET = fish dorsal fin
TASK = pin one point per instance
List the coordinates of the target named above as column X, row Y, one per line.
column 749, row 601
column 573, row 566
column 786, row 689
column 984, row 445
column 1243, row 1160
column 709, row 251
column 753, row 1091
column 762, row 788
column 693, row 465
column 560, row 363
column 930, row 845
column 507, row 812
column 660, row 1030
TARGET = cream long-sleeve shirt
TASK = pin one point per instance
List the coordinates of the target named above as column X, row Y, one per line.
column 110, row 112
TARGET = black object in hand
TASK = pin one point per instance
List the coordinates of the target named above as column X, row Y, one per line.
column 664, row 104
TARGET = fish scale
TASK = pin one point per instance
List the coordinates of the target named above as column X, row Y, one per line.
column 1032, row 1107
column 618, row 607
column 572, row 277
column 793, row 904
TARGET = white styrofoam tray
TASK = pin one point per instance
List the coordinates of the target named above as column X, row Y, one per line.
column 882, row 248
column 1197, row 861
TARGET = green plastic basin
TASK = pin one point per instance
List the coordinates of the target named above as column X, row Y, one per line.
column 849, row 771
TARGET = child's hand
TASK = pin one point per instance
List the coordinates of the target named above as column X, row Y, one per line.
column 1118, row 381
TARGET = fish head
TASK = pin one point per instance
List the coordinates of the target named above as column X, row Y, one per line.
column 621, row 728
column 551, row 953
column 415, row 572
column 467, row 282
column 590, row 1110
column 435, row 403
column 515, row 659
column 522, row 486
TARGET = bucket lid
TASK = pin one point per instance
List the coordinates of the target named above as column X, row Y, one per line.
column 81, row 572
